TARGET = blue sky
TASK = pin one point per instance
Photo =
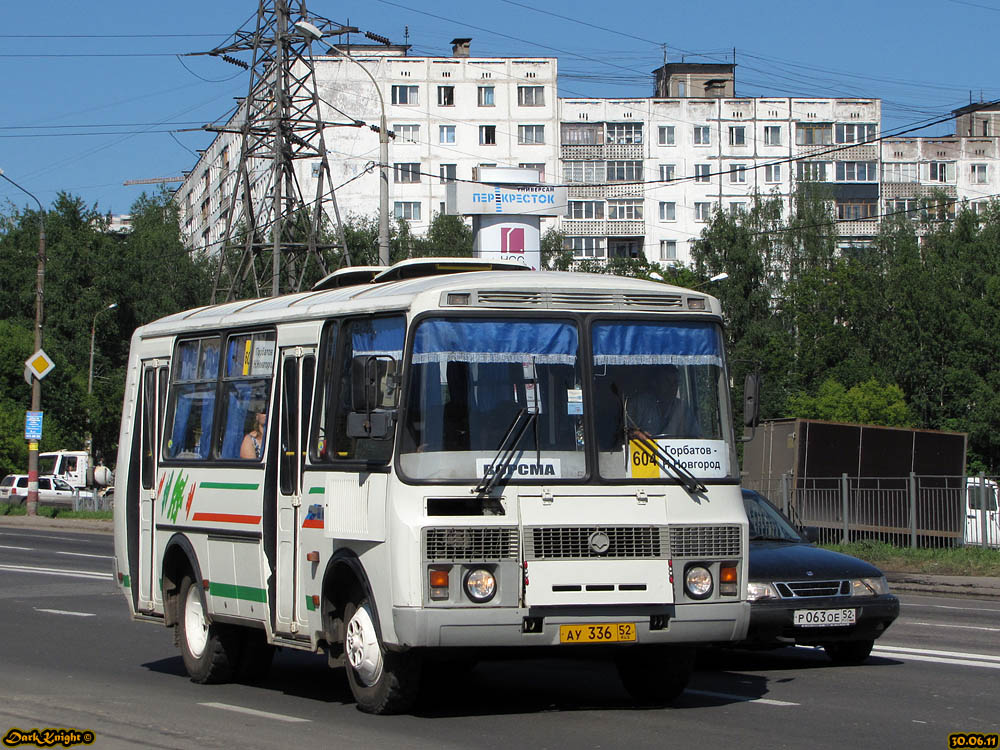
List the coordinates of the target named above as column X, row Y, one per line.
column 95, row 95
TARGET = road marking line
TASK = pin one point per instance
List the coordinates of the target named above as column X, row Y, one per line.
column 741, row 698
column 964, row 627
column 940, row 660
column 40, row 536
column 8, row 546
column 66, row 612
column 85, row 554
column 92, row 574
column 933, row 652
column 255, row 712
column 947, row 606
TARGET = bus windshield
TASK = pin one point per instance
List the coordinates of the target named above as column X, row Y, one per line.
column 475, row 380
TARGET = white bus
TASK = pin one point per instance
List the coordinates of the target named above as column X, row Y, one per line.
column 435, row 460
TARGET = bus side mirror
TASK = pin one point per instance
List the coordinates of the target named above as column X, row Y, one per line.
column 751, row 400
column 374, row 396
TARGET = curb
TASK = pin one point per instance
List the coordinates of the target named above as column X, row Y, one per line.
column 917, row 584
column 44, row 523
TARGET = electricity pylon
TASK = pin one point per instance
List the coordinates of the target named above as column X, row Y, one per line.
column 271, row 228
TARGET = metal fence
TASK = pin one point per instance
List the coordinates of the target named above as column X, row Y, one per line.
column 96, row 502
column 912, row 511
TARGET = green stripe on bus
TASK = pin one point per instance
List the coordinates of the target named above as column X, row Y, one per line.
column 317, row 490
column 227, row 486
column 233, row 591
column 309, row 604
column 126, row 581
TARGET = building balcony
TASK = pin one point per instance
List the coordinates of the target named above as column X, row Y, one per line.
column 602, row 152
column 625, row 190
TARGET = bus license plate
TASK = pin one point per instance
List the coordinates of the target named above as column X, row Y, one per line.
column 823, row 618
column 616, row 632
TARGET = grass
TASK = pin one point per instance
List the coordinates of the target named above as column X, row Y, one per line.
column 954, row 561
column 50, row 512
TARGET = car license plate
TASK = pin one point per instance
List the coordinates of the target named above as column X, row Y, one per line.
column 823, row 618
column 615, row 632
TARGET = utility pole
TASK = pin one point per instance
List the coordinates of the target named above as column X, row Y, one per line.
column 280, row 128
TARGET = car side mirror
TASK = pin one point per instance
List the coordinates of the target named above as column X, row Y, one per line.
column 811, row 533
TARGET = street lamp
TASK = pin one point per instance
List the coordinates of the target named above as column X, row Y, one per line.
column 718, row 277
column 90, row 377
column 310, row 31
column 31, row 504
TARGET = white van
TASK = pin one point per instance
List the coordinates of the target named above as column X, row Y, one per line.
column 976, row 509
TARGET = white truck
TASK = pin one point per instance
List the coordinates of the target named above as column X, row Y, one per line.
column 76, row 469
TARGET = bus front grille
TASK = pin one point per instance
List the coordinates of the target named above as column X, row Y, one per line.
column 455, row 544
column 705, row 541
column 584, row 542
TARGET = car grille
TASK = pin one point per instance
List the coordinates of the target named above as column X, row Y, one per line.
column 812, row 589
column 705, row 541
column 573, row 542
column 473, row 544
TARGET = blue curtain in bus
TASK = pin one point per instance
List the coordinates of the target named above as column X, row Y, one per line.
column 234, row 430
column 495, row 341
column 182, row 410
column 639, row 343
column 378, row 337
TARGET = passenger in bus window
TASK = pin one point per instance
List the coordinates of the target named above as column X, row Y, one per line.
column 253, row 443
column 655, row 409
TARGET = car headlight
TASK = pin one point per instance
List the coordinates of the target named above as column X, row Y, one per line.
column 480, row 585
column 698, row 582
column 869, row 586
column 758, row 591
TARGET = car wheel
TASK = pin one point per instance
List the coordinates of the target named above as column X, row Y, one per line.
column 209, row 649
column 849, row 652
column 382, row 682
column 655, row 676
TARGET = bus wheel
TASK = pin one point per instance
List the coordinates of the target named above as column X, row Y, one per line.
column 383, row 682
column 655, row 676
column 208, row 649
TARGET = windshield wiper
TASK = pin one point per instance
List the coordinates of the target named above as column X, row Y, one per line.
column 685, row 477
column 505, row 451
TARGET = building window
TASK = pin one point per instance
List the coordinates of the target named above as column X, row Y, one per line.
column 856, row 171
column 538, row 167
column 530, row 134
column 487, row 135
column 585, row 247
column 667, row 172
column 855, row 211
column 702, row 135
column 736, row 207
column 409, row 133
column 624, row 132
column 622, row 209
column 941, row 171
column 486, row 96
column 702, row 172
column 409, row 210
column 582, row 134
column 978, row 174
column 446, row 133
column 205, row 209
column 772, row 135
column 855, row 133
column 668, row 211
column 403, row 172
column 809, row 134
column 446, row 96
column 702, row 211
column 665, row 135
column 585, row 210
column 811, row 171
column 531, row 96
column 624, row 171
column 448, row 173
column 405, row 95
column 772, row 173
column 901, row 172
column 584, row 171
column 737, row 174
column 737, row 136
column 906, row 207
column 668, row 249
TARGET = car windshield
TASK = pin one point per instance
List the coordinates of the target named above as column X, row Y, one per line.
column 766, row 521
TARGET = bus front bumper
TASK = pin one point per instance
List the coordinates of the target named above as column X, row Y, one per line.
column 715, row 622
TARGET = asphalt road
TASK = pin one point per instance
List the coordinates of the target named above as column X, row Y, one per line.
column 71, row 658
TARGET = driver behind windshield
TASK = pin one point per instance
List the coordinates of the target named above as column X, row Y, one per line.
column 653, row 406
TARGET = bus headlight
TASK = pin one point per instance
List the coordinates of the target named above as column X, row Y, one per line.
column 698, row 582
column 480, row 585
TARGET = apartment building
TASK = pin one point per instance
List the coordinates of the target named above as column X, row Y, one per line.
column 645, row 175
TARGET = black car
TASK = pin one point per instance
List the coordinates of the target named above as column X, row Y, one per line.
column 800, row 593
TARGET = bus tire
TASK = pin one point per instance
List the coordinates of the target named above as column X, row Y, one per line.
column 655, row 676
column 382, row 682
column 209, row 649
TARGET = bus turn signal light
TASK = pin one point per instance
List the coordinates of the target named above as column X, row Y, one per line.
column 728, row 578
column 439, row 584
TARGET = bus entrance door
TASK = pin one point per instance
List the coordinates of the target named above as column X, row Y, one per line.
column 153, row 398
column 298, row 365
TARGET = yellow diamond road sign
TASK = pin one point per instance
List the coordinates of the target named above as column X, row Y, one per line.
column 39, row 364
